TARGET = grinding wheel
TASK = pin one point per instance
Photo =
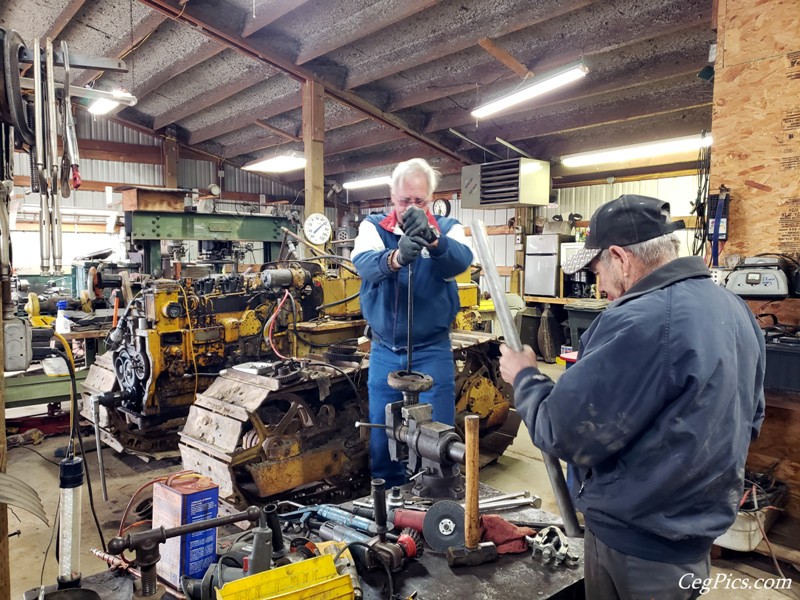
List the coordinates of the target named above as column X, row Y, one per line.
column 443, row 526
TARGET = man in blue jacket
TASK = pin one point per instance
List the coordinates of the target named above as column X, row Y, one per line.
column 657, row 414
column 384, row 248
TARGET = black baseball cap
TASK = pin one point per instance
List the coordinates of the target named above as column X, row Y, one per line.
column 627, row 220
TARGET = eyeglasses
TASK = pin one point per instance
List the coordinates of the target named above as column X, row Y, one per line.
column 415, row 201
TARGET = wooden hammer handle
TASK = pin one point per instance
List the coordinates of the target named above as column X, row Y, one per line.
column 472, row 527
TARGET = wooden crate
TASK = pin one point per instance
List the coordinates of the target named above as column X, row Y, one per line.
column 153, row 199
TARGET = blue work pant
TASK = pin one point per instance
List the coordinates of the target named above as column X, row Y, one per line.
column 435, row 360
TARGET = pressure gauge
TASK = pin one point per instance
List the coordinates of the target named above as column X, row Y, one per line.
column 441, row 207
column 317, row 229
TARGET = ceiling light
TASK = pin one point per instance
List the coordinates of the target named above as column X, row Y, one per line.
column 537, row 88
column 112, row 100
column 278, row 164
column 102, row 106
column 365, row 183
column 637, row 151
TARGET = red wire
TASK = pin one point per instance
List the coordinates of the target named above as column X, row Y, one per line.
column 272, row 324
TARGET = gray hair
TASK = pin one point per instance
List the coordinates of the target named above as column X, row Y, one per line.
column 652, row 253
column 415, row 165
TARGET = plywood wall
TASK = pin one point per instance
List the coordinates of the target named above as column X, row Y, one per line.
column 756, row 123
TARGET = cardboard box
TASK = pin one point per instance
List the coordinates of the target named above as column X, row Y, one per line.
column 188, row 499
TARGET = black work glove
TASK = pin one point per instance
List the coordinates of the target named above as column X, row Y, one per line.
column 415, row 221
column 409, row 249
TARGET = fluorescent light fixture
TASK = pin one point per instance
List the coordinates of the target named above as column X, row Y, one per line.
column 282, row 163
column 365, row 183
column 113, row 99
column 637, row 151
column 537, row 88
column 102, row 106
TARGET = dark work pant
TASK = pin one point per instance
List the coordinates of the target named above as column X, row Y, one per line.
column 435, row 360
column 612, row 575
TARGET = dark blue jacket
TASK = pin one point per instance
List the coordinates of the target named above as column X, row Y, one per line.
column 658, row 412
column 384, row 293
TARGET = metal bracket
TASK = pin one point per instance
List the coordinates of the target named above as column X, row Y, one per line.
column 78, row 61
column 551, row 545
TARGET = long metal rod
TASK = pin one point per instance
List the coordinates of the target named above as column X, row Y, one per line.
column 511, row 335
column 98, row 443
column 409, row 332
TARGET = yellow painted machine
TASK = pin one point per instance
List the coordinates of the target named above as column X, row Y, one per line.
column 175, row 337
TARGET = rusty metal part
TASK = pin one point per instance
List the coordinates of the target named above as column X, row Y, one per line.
column 551, row 545
column 249, row 428
column 115, row 562
column 410, row 382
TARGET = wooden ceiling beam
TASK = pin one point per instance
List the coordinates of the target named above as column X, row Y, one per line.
column 505, row 57
column 202, row 16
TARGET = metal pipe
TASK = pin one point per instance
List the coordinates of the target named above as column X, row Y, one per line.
column 511, row 335
column 96, row 414
column 53, row 160
column 38, row 122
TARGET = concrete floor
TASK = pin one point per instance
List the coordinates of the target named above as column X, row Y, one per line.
column 519, row 468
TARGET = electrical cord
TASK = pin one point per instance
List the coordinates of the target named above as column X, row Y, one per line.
column 375, row 553
column 52, row 462
column 50, row 543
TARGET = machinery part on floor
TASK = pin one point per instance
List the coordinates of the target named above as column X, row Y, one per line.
column 259, row 438
column 19, row 494
column 550, row 545
column 552, row 464
column 175, row 337
column 245, row 558
column 472, row 552
column 444, row 526
column 146, row 543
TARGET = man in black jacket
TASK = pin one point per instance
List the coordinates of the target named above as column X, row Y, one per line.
column 657, row 414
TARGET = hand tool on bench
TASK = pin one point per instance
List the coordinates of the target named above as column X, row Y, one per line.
column 473, row 552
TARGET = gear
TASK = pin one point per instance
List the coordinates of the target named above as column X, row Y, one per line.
column 343, row 357
column 285, row 374
column 343, row 348
column 443, row 526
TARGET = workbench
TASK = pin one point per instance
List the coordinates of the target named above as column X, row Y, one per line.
column 510, row 576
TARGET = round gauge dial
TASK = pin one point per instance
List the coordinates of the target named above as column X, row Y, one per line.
column 441, row 207
column 317, row 229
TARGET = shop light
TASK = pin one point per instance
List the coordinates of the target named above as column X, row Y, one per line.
column 637, row 151
column 282, row 163
column 365, row 183
column 540, row 86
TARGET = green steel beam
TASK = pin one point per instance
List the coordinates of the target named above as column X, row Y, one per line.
column 199, row 226
column 28, row 390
